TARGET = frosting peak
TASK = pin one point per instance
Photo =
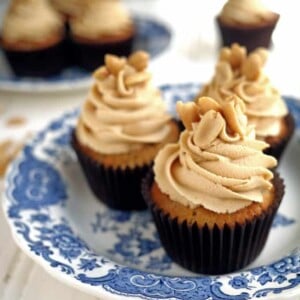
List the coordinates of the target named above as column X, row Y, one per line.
column 239, row 73
column 123, row 111
column 217, row 163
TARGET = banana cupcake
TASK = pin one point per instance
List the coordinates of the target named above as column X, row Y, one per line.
column 212, row 195
column 122, row 125
column 240, row 73
column 247, row 22
column 104, row 26
column 32, row 38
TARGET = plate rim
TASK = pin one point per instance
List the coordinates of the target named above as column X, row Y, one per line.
column 72, row 281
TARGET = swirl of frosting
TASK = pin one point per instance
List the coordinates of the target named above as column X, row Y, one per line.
column 102, row 18
column 245, row 12
column 123, row 111
column 31, row 20
column 218, row 163
column 241, row 74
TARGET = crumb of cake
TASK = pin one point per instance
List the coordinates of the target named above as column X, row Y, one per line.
column 16, row 121
column 8, row 151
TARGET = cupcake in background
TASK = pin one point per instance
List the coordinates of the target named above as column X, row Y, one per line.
column 213, row 196
column 247, row 22
column 70, row 8
column 240, row 73
column 104, row 26
column 32, row 38
column 121, row 127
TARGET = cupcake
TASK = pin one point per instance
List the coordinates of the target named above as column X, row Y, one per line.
column 212, row 194
column 32, row 38
column 122, row 125
column 242, row 74
column 104, row 26
column 247, row 22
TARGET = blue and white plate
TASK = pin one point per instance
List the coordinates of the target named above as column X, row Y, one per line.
column 117, row 255
column 152, row 36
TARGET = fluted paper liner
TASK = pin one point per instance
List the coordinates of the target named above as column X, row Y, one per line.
column 212, row 250
column 37, row 63
column 251, row 37
column 117, row 188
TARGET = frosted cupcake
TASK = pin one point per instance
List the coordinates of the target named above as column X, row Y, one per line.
column 32, row 38
column 122, row 125
column 104, row 26
column 213, row 196
column 247, row 22
column 242, row 74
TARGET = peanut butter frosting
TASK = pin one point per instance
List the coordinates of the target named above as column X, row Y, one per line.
column 71, row 8
column 218, row 163
column 245, row 12
column 31, row 20
column 102, row 18
column 241, row 74
column 123, row 111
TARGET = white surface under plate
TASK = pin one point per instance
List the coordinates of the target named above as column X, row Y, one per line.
column 152, row 36
column 117, row 255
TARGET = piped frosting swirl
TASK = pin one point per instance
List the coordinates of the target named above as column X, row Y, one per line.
column 218, row 163
column 241, row 74
column 245, row 12
column 31, row 20
column 123, row 111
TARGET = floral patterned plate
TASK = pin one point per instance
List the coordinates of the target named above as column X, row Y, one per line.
column 117, row 255
column 152, row 36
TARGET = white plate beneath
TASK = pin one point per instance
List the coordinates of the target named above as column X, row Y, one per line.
column 152, row 36
column 112, row 254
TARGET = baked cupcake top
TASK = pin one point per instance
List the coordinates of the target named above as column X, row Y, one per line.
column 102, row 18
column 123, row 111
column 242, row 74
column 245, row 12
column 32, row 21
column 217, row 163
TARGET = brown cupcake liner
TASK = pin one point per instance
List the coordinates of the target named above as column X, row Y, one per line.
column 117, row 188
column 37, row 63
column 91, row 56
column 251, row 38
column 276, row 149
column 212, row 250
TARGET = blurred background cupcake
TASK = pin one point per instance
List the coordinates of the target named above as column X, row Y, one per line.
column 104, row 26
column 247, row 22
column 32, row 38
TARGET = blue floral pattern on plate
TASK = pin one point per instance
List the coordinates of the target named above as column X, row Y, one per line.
column 152, row 36
column 38, row 202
